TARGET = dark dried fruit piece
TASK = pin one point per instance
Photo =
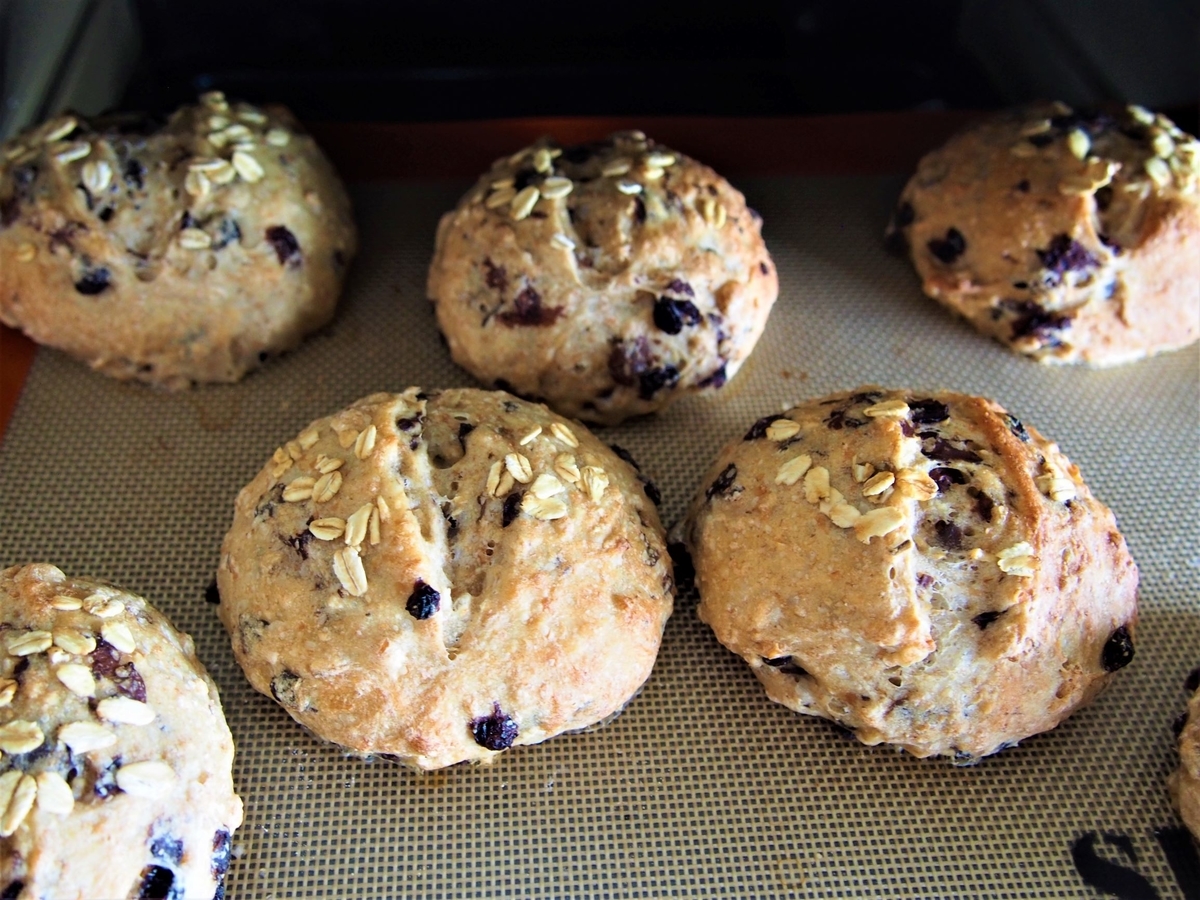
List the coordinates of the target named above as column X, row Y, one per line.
column 715, row 380
column 838, row 420
column 758, row 430
column 944, row 477
column 424, row 601
column 984, row 504
column 495, row 732
column 496, row 277
column 512, row 508
column 167, row 848
column 671, row 315
column 107, row 663
column 283, row 688
column 135, row 174
column 724, row 482
column 651, row 490
column 1033, row 320
column 157, row 884
column 12, row 891
column 1015, row 426
column 949, row 248
column 1118, row 650
column 1065, row 255
column 928, row 412
column 94, row 281
column 650, row 383
column 949, row 535
column 935, row 447
column 287, row 248
column 925, row 580
column 1193, row 681
column 528, row 311
column 408, row 424
column 786, row 665
column 679, row 286
column 299, row 542
column 625, row 455
column 222, row 850
column 104, row 784
column 227, row 233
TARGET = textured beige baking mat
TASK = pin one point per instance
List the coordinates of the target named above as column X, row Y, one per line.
column 702, row 788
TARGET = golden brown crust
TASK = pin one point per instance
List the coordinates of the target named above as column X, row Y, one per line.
column 180, row 254
column 1184, row 782
column 917, row 567
column 1069, row 238
column 511, row 566
column 613, row 299
column 113, row 728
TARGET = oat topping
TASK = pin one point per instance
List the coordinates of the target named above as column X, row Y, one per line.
column 54, row 794
column 125, row 711
column 348, row 567
column 373, row 535
column 299, row 489
column 524, row 202
column 887, row 409
column 566, row 467
column 916, row 483
column 816, row 484
column 782, row 429
column 146, row 779
column 20, row 736
column 518, row 466
column 862, row 471
column 878, row 483
column 19, row 792
column 595, row 481
column 1018, row 560
column 246, row 165
column 327, row 487
column 543, row 508
column 843, row 514
column 29, row 642
column 546, row 486
column 26, row 252
column 74, row 642
column 77, row 679
column 629, row 187
column 1159, row 171
column 616, row 168
column 326, row 464
column 794, row 469
column 364, row 444
column 561, row 240
column 83, row 737
column 357, row 524
column 537, row 429
column 500, row 198
column 564, row 434
column 59, row 129
column 119, row 635
column 1079, row 143
column 8, row 690
column 65, row 603
column 556, row 187
column 1055, row 485
column 308, row 438
column 877, row 523
column 278, row 137
column 493, row 479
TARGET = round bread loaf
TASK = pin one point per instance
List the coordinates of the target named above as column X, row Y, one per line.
column 918, row 567
column 171, row 253
column 607, row 279
column 115, row 779
column 1069, row 237
column 1184, row 782
column 438, row 577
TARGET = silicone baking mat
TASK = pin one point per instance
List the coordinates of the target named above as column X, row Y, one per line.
column 702, row 788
